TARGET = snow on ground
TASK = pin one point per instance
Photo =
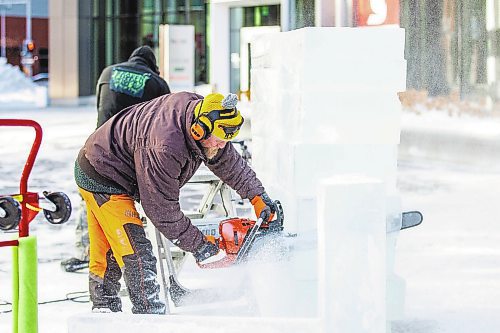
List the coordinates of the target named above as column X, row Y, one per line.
column 440, row 121
column 451, row 263
column 16, row 89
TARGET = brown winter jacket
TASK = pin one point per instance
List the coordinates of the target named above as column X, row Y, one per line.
column 147, row 151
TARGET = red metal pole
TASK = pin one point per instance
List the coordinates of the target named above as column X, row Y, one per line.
column 23, row 184
column 9, row 243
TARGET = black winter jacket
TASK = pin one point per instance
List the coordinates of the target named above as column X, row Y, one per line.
column 128, row 83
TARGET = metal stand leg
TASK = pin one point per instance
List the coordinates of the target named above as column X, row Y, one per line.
column 173, row 289
column 162, row 256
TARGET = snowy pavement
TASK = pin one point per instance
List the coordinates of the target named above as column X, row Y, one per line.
column 451, row 263
column 459, row 140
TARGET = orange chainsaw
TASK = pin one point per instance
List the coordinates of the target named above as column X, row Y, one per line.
column 237, row 235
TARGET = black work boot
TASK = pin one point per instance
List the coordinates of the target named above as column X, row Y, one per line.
column 72, row 265
column 140, row 273
column 104, row 292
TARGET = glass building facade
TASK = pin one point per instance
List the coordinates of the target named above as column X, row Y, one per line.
column 242, row 17
column 114, row 28
column 448, row 42
column 119, row 26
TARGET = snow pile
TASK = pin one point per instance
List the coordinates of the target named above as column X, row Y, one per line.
column 18, row 90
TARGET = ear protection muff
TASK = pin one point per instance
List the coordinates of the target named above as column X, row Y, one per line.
column 200, row 129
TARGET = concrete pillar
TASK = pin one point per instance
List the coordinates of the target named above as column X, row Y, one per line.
column 324, row 12
column 333, row 13
column 219, row 47
column 218, row 37
column 285, row 13
column 63, row 45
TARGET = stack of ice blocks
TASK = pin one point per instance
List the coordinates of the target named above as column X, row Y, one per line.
column 325, row 104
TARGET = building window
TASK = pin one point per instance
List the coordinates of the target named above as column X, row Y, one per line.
column 120, row 26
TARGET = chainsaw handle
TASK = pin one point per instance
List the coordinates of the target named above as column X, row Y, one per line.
column 279, row 212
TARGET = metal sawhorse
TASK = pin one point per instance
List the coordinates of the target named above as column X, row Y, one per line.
column 170, row 256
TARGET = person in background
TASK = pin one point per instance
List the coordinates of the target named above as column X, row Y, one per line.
column 119, row 86
column 146, row 153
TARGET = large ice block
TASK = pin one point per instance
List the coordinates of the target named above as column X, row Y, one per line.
column 298, row 167
column 332, row 109
column 300, row 211
column 396, row 286
column 346, row 57
column 288, row 287
column 379, row 42
column 340, row 85
column 329, row 116
column 351, row 248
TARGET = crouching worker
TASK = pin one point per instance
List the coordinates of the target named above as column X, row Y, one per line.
column 148, row 152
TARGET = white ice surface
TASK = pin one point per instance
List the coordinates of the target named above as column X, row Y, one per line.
column 451, row 263
column 352, row 297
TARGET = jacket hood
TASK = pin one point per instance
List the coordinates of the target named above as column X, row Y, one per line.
column 145, row 55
